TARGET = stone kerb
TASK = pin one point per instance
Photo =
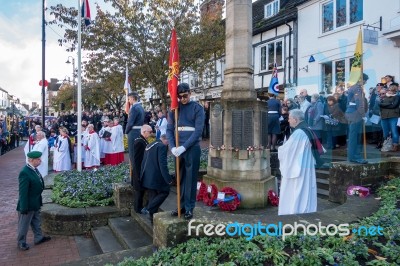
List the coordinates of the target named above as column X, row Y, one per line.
column 61, row 220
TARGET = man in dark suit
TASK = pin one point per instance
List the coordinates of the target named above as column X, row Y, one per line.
column 31, row 186
column 155, row 176
column 139, row 147
column 135, row 123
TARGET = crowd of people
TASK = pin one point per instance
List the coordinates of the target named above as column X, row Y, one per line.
column 339, row 117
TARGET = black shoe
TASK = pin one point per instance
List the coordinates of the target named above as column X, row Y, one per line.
column 144, row 211
column 23, row 246
column 44, row 239
column 359, row 161
column 175, row 212
column 188, row 215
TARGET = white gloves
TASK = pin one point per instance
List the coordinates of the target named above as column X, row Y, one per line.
column 178, row 151
column 173, row 150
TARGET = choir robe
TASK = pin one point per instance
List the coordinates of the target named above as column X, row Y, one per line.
column 107, row 146
column 298, row 193
column 92, row 152
column 43, row 147
column 62, row 157
column 115, row 153
column 83, row 138
column 102, row 143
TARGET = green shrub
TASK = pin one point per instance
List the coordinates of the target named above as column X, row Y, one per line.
column 296, row 250
column 88, row 188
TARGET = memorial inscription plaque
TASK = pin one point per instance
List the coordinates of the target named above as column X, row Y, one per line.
column 237, row 122
column 242, row 129
column 216, row 162
column 217, row 129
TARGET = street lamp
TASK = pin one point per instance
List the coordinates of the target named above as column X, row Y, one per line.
column 73, row 68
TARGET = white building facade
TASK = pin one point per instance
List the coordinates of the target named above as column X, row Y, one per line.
column 328, row 31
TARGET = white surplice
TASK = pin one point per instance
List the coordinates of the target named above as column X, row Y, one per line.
column 117, row 139
column 298, row 193
column 43, row 147
column 107, row 145
column 62, row 157
column 92, row 156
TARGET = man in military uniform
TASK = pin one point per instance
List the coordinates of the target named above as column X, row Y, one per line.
column 190, row 128
column 135, row 123
column 355, row 112
column 31, row 186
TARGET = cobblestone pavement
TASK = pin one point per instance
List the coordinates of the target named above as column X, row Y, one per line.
column 60, row 249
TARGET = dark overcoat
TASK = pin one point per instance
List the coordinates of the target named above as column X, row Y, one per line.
column 31, row 186
column 154, row 174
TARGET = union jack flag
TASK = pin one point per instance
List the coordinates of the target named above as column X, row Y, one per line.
column 86, row 12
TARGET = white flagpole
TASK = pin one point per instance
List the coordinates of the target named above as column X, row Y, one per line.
column 79, row 144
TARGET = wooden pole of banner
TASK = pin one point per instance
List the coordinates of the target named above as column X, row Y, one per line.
column 177, row 172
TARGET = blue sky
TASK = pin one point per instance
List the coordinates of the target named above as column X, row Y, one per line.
column 21, row 48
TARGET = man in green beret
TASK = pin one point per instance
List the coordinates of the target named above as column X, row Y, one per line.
column 31, row 186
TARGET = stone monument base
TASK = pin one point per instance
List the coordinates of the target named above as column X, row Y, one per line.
column 254, row 193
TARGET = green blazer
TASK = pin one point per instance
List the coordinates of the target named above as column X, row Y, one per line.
column 31, row 187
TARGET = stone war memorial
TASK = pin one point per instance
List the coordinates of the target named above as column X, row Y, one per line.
column 237, row 156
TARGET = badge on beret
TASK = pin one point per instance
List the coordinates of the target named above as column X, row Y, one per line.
column 34, row 154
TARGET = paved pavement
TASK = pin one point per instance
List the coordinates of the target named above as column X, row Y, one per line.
column 60, row 249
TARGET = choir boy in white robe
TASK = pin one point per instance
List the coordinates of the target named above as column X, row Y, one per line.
column 107, row 145
column 92, row 148
column 42, row 145
column 62, row 153
column 83, row 138
column 102, row 140
column 116, row 152
column 298, row 193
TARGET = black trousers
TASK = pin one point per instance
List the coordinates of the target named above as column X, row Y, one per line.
column 138, row 199
column 156, row 198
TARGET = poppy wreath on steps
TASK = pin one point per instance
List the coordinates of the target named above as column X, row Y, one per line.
column 231, row 201
column 208, row 198
column 202, row 191
column 273, row 198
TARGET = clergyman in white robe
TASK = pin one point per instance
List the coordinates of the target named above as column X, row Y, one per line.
column 298, row 193
column 42, row 146
column 92, row 150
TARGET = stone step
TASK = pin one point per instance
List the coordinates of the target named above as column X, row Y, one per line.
column 323, row 192
column 323, row 174
column 129, row 232
column 106, row 240
column 87, row 247
column 144, row 222
column 114, row 257
column 322, row 181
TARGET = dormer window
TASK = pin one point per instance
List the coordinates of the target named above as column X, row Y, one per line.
column 271, row 9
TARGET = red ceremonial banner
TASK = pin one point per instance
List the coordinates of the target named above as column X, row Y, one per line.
column 173, row 73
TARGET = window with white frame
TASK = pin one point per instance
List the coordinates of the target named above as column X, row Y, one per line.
column 271, row 53
column 333, row 74
column 271, row 9
column 339, row 13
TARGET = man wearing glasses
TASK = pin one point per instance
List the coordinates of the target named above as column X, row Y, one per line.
column 190, row 128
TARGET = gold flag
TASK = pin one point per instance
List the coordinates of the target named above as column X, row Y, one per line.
column 356, row 67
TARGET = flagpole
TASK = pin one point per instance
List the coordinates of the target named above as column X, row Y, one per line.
column 363, row 99
column 79, row 144
column 178, row 172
